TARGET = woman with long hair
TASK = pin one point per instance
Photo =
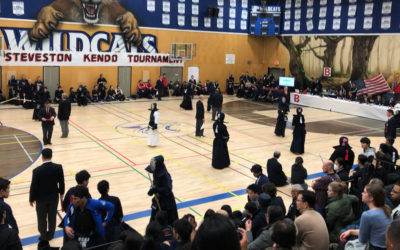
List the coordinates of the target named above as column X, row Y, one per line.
column 375, row 221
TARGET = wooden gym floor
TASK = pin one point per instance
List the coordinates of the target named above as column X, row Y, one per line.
column 109, row 140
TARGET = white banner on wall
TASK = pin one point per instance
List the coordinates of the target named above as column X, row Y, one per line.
column 66, row 58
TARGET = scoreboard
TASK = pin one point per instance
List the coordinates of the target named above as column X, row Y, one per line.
column 265, row 21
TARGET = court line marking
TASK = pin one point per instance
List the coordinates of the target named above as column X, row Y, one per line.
column 8, row 143
column 177, row 162
column 23, row 148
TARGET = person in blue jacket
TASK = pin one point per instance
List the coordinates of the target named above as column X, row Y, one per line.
column 83, row 221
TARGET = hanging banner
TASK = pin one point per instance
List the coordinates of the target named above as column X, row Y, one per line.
column 64, row 58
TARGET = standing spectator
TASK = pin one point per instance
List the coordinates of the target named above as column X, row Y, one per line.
column 375, row 221
column 47, row 116
column 83, row 220
column 4, row 194
column 9, row 239
column 320, row 185
column 112, row 229
column 299, row 173
column 200, row 117
column 216, row 103
column 82, row 179
column 395, row 199
column 64, row 111
column 160, row 88
column 343, row 150
column 299, row 132
column 392, row 151
column 390, row 125
column 46, row 186
column 311, row 226
column 165, row 85
column 220, row 155
column 261, row 178
column 274, row 171
column 101, row 82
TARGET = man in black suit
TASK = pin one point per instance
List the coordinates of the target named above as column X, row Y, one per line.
column 47, row 116
column 216, row 103
column 159, row 87
column 64, row 111
column 46, row 186
column 200, row 116
column 274, row 170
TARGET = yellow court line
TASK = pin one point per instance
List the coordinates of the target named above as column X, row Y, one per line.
column 15, row 142
column 158, row 152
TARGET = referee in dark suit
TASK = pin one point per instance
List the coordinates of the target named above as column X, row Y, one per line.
column 47, row 116
column 46, row 186
column 200, row 116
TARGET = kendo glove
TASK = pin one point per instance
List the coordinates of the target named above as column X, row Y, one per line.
column 151, row 192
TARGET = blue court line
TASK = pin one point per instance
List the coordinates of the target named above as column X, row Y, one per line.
column 146, row 213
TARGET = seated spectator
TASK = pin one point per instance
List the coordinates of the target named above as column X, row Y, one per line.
column 312, row 231
column 113, row 228
column 72, row 95
column 95, row 94
column 367, row 149
column 339, row 209
column 119, row 94
column 166, row 230
column 70, row 245
column 343, row 150
column 81, row 96
column 153, row 237
column 395, row 198
column 320, row 185
column 375, row 221
column 342, row 92
column 261, row 178
column 339, row 169
column 258, row 217
column 299, row 173
column 228, row 209
column 274, row 170
column 111, row 94
column 210, row 212
column 217, row 233
column 9, row 239
column 392, row 236
column 283, row 235
column 292, row 211
column 192, row 220
column 356, row 177
column 378, row 100
column 253, row 191
column 270, row 189
column 83, row 222
column 274, row 214
column 240, row 91
column 182, row 231
column 142, row 90
column 57, row 94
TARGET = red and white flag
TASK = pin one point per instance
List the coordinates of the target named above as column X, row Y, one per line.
column 375, row 85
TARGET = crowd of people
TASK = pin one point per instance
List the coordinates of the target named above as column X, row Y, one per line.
column 348, row 205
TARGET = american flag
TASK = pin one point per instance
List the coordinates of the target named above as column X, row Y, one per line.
column 373, row 85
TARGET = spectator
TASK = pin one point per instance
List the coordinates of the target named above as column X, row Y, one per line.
column 46, row 187
column 153, row 237
column 83, row 220
column 366, row 146
column 391, row 124
column 166, row 230
column 299, row 173
column 395, row 198
column 9, row 239
column 57, row 94
column 119, row 94
column 340, row 170
column 217, row 233
column 270, row 189
column 274, row 170
column 320, row 185
column 64, row 111
column 375, row 221
column 343, row 150
column 216, row 103
column 283, row 235
column 228, row 209
column 392, row 151
column 292, row 211
column 356, row 176
column 182, row 231
column 261, row 178
column 311, row 226
column 192, row 220
column 274, row 214
column 258, row 218
column 113, row 227
column 82, row 179
column 339, row 210
column 392, row 236
column 4, row 194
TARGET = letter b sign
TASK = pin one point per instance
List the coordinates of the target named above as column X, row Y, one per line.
column 296, row 98
column 327, row 71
